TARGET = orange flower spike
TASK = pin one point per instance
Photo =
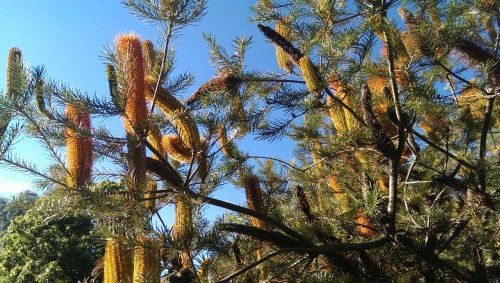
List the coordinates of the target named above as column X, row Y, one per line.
column 131, row 68
column 79, row 148
column 365, row 227
column 130, row 61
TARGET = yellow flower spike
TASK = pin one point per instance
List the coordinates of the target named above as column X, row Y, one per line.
column 227, row 147
column 176, row 113
column 183, row 225
column 176, row 149
column 118, row 265
column 149, row 56
column 346, row 94
column 311, row 75
column 336, row 115
column 79, row 148
column 146, row 261
column 155, row 139
column 283, row 28
column 338, row 193
column 254, row 197
column 151, row 188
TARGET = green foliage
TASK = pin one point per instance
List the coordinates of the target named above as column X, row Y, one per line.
column 48, row 244
column 18, row 205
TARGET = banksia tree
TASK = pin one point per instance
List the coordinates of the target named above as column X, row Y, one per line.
column 79, row 147
column 394, row 170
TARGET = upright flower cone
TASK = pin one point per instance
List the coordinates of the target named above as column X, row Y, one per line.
column 15, row 80
column 79, row 147
column 336, row 115
column 146, row 261
column 131, row 67
column 149, row 57
column 118, row 266
column 15, row 77
column 255, row 201
column 183, row 225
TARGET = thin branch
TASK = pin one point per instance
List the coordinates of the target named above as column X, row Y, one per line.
column 444, row 151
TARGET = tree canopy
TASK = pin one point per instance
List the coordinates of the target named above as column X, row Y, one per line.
column 391, row 110
column 45, row 244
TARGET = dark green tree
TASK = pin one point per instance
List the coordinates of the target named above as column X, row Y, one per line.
column 46, row 244
column 16, row 206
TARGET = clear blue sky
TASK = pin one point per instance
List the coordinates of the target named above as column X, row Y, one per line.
column 68, row 37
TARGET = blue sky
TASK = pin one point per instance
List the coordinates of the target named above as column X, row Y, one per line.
column 69, row 36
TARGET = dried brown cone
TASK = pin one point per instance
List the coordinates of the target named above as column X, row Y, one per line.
column 15, row 79
column 146, row 261
column 235, row 248
column 304, row 203
column 183, row 225
column 165, row 171
column 255, row 200
column 476, row 53
column 79, row 147
column 118, row 265
column 283, row 28
column 281, row 42
column 229, row 83
column 176, row 149
column 262, row 235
